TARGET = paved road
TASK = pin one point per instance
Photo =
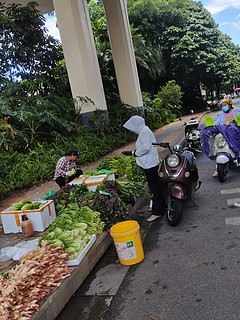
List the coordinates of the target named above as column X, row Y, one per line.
column 191, row 271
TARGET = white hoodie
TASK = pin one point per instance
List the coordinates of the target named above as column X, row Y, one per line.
column 146, row 154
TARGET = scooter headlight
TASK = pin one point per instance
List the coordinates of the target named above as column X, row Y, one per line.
column 221, row 142
column 173, row 161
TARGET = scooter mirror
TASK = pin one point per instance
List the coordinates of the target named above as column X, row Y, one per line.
column 177, row 148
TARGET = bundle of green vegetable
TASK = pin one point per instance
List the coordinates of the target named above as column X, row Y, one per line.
column 67, row 195
column 73, row 229
column 26, row 205
column 123, row 166
column 131, row 173
column 94, row 173
column 78, row 193
column 110, row 205
column 127, row 190
column 131, row 189
column 116, row 164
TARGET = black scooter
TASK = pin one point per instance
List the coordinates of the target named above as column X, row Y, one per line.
column 178, row 176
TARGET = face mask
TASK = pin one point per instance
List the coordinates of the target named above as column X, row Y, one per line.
column 225, row 108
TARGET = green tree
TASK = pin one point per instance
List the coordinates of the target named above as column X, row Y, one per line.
column 192, row 49
column 171, row 95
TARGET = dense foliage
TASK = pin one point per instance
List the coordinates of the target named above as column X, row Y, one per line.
column 178, row 50
column 176, row 39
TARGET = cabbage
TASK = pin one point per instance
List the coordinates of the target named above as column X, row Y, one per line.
column 16, row 207
column 75, row 233
column 67, row 241
column 65, row 234
column 57, row 231
column 74, row 255
column 27, row 206
column 82, row 232
column 51, row 235
column 76, row 244
column 70, row 250
column 80, row 225
column 57, row 243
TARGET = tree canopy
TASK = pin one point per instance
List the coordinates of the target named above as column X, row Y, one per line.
column 173, row 40
column 194, row 52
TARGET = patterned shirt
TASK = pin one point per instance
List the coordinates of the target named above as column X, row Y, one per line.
column 229, row 117
column 63, row 166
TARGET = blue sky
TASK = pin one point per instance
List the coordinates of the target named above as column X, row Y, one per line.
column 226, row 14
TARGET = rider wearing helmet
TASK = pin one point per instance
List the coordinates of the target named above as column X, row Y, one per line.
column 228, row 114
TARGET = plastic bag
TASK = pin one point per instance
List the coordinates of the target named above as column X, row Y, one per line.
column 17, row 251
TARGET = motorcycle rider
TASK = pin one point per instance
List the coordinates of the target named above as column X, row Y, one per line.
column 226, row 117
column 147, row 158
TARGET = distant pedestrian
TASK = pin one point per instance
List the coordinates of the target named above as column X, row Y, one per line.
column 147, row 158
column 66, row 169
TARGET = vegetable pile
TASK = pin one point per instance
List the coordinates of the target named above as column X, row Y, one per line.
column 73, row 229
column 126, row 190
column 110, row 205
column 124, row 167
column 77, row 194
column 94, row 173
column 26, row 205
column 39, row 272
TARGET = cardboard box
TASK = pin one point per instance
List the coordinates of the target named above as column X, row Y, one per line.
column 41, row 218
column 76, row 261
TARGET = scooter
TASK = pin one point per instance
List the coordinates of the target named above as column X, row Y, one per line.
column 192, row 134
column 178, row 176
column 219, row 146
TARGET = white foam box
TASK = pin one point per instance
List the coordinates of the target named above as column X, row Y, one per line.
column 41, row 218
column 93, row 181
column 76, row 261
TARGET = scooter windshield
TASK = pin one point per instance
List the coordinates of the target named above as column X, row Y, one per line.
column 230, row 132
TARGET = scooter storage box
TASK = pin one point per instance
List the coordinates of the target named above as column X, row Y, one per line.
column 41, row 218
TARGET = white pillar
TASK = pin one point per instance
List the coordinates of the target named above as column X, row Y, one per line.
column 123, row 52
column 80, row 52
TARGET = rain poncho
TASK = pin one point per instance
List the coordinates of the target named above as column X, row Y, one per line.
column 220, row 117
column 230, row 132
column 146, row 154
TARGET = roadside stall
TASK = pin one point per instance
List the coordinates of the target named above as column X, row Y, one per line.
column 71, row 234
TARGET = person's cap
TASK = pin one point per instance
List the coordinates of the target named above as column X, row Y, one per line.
column 74, row 152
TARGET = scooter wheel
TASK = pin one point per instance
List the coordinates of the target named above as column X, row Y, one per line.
column 174, row 216
column 222, row 172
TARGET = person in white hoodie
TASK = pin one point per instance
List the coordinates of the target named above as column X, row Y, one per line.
column 147, row 158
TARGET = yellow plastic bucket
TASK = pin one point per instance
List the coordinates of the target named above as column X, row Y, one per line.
column 127, row 240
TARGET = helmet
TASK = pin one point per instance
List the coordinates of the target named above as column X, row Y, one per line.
column 226, row 102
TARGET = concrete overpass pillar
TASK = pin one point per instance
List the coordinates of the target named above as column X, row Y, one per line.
column 80, row 52
column 123, row 52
